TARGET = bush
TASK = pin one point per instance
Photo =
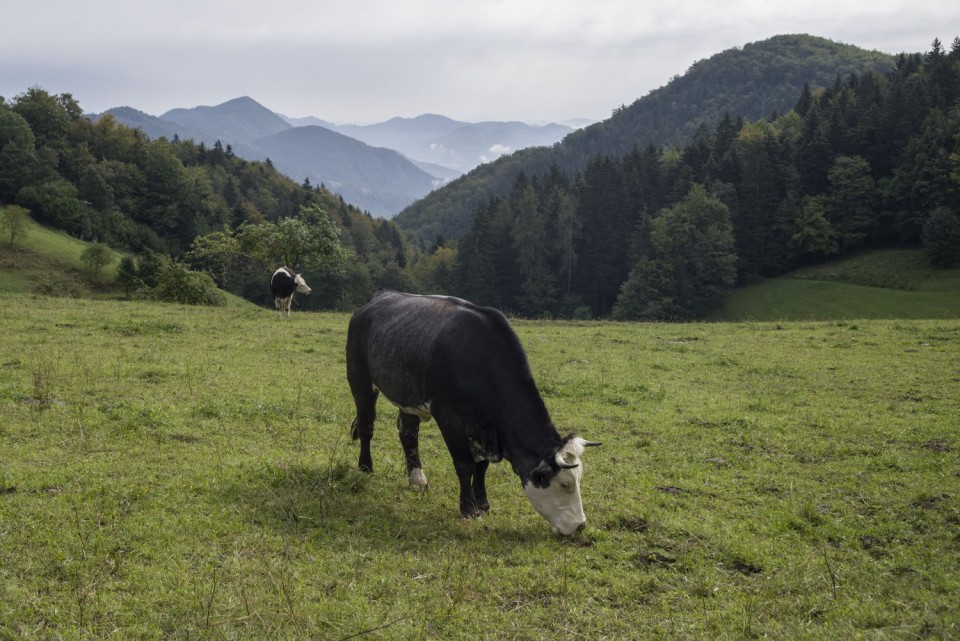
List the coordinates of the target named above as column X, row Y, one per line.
column 177, row 284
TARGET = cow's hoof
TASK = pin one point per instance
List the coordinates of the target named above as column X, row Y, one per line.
column 366, row 468
column 417, row 478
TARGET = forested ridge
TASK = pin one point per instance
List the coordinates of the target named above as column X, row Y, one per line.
column 657, row 232
column 753, row 82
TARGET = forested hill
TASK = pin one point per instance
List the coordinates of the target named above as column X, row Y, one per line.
column 872, row 161
column 756, row 81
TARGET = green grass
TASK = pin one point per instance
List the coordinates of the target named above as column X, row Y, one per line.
column 887, row 284
column 174, row 472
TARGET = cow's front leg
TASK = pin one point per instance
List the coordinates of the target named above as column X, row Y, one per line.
column 480, row 486
column 469, row 506
column 409, row 427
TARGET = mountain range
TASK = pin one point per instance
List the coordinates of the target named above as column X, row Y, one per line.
column 380, row 168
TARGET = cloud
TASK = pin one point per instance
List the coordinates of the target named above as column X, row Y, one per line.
column 350, row 61
column 495, row 152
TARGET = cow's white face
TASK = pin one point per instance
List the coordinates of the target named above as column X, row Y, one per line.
column 301, row 284
column 559, row 502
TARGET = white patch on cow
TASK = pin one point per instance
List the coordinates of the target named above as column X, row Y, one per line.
column 301, row 285
column 422, row 410
column 560, row 503
column 418, row 478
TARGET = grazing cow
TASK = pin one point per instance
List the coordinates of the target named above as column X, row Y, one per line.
column 284, row 284
column 445, row 358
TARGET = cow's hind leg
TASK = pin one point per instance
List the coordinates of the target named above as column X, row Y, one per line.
column 365, row 398
column 409, row 427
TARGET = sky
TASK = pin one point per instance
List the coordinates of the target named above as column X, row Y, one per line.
column 365, row 61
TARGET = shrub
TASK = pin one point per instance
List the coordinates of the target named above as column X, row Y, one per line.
column 177, row 284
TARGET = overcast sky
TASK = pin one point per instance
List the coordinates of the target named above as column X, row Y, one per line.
column 364, row 61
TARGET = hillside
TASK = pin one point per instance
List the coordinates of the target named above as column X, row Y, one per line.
column 48, row 262
column 754, row 82
column 153, row 126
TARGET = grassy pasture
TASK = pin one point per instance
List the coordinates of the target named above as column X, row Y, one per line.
column 185, row 473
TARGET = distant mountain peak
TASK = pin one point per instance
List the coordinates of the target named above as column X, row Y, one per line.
column 242, row 100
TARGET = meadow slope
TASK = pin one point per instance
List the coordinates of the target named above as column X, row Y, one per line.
column 182, row 473
column 890, row 283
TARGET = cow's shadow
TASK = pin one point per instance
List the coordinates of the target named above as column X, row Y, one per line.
column 336, row 500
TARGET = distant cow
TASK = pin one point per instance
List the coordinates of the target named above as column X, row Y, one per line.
column 284, row 284
column 445, row 358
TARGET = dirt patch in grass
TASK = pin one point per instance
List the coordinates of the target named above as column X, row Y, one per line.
column 631, row 524
column 938, row 446
column 654, row 559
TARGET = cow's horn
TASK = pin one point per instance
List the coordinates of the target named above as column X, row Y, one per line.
column 558, row 457
column 591, row 443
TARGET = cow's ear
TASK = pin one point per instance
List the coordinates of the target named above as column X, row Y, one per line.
column 541, row 475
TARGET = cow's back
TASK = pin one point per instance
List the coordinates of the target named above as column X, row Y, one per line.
column 282, row 283
column 414, row 347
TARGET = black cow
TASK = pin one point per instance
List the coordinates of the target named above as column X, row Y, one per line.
column 443, row 357
column 284, row 284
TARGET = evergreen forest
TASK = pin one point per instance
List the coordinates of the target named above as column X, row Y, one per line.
column 872, row 160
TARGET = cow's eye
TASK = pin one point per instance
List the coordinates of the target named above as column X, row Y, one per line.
column 566, row 487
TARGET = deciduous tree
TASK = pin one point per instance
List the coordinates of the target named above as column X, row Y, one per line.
column 13, row 222
column 692, row 262
column 97, row 256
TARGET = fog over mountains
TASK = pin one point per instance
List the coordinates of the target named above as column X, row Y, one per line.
column 381, row 168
